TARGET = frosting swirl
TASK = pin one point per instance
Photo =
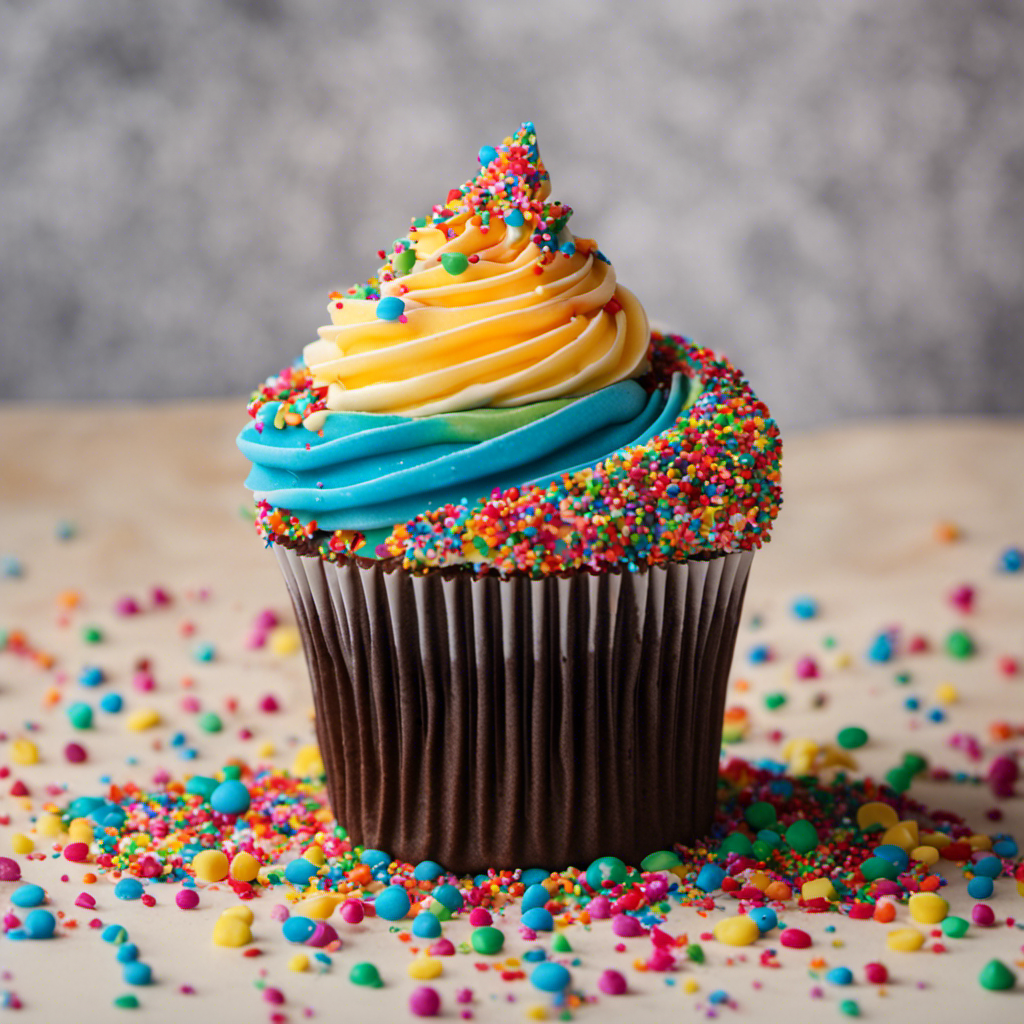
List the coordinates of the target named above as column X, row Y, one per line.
column 492, row 303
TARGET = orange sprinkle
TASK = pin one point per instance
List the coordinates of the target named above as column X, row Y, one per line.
column 884, row 912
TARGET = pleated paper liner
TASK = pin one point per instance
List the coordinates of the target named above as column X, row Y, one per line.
column 511, row 723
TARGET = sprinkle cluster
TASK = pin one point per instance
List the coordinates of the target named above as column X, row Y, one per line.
column 707, row 485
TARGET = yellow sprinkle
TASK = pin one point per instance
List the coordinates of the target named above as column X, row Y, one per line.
column 737, row 931
column 946, row 693
column 80, row 830
column 142, row 719
column 759, row 880
column 937, row 839
column 979, row 842
column 241, row 911
column 927, row 908
column 231, row 931
column 319, row 907
column 835, row 755
column 925, row 854
column 315, row 855
column 842, row 659
column 1020, row 887
column 817, row 888
column 49, row 826
column 536, row 1013
column 308, row 762
column 210, row 865
column 690, row 986
column 424, row 968
column 876, row 813
column 904, row 834
column 24, row 752
column 299, row 963
column 266, row 749
column 20, row 843
column 244, row 867
column 904, row 940
column 284, row 640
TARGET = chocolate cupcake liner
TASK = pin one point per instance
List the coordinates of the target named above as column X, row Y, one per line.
column 511, row 723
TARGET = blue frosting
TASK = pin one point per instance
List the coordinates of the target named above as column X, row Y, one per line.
column 370, row 471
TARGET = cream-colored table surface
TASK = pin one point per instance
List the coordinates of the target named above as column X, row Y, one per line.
column 156, row 494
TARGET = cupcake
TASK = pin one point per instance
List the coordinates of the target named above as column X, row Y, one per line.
column 516, row 527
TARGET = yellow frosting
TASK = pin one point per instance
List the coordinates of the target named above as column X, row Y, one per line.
column 517, row 325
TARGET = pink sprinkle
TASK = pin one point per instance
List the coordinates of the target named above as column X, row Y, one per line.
column 267, row 619
column 187, row 990
column 76, row 853
column 795, row 938
column 443, row 947
column 273, row 995
column 75, row 753
column 661, row 938
column 126, row 606
column 143, row 682
column 279, row 912
column 160, row 597
column 661, row 960
column 10, row 921
column 256, row 639
column 599, row 908
column 806, row 668
column 983, row 915
column 95, row 923
column 352, row 911
column 148, row 900
column 86, row 901
column 425, row 1002
column 464, row 995
column 480, row 918
column 10, row 870
column 612, row 983
column 626, row 927
column 962, row 598
column 323, row 935
column 269, row 704
column 877, row 974
column 187, row 899
column 190, row 704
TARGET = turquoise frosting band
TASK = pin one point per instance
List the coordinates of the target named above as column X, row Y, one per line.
column 370, row 471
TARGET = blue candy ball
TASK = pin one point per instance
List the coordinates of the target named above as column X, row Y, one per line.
column 390, row 308
column 550, row 977
column 374, row 858
column 298, row 929
column 137, row 973
column 28, row 895
column 392, row 903
column 535, row 896
column 539, row 920
column 128, row 952
column 988, row 867
column 765, row 918
column 128, row 889
column 710, row 878
column 300, row 871
column 114, row 934
column 39, row 924
column 230, row 797
column 980, row 887
column 448, row 896
column 486, row 155
column 426, row 871
column 840, row 976
column 112, row 703
column 426, row 926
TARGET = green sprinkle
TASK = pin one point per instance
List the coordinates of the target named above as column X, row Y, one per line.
column 878, row 867
column 487, row 940
column 454, row 262
column 405, row 261
column 899, row 778
column 914, row 763
column 660, row 860
column 210, row 721
column 736, row 842
column 773, row 701
column 903, row 678
column 232, row 771
column 560, row 944
column 365, row 974
column 802, row 836
column 760, row 814
column 959, row 644
column 849, row 1008
column 695, row 953
column 996, row 976
column 80, row 715
column 92, row 634
column 852, row 737
column 128, row 1002
column 955, row 927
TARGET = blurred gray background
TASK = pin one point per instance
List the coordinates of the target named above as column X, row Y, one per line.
column 831, row 193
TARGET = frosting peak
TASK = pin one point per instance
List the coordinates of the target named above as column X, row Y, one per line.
column 488, row 302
